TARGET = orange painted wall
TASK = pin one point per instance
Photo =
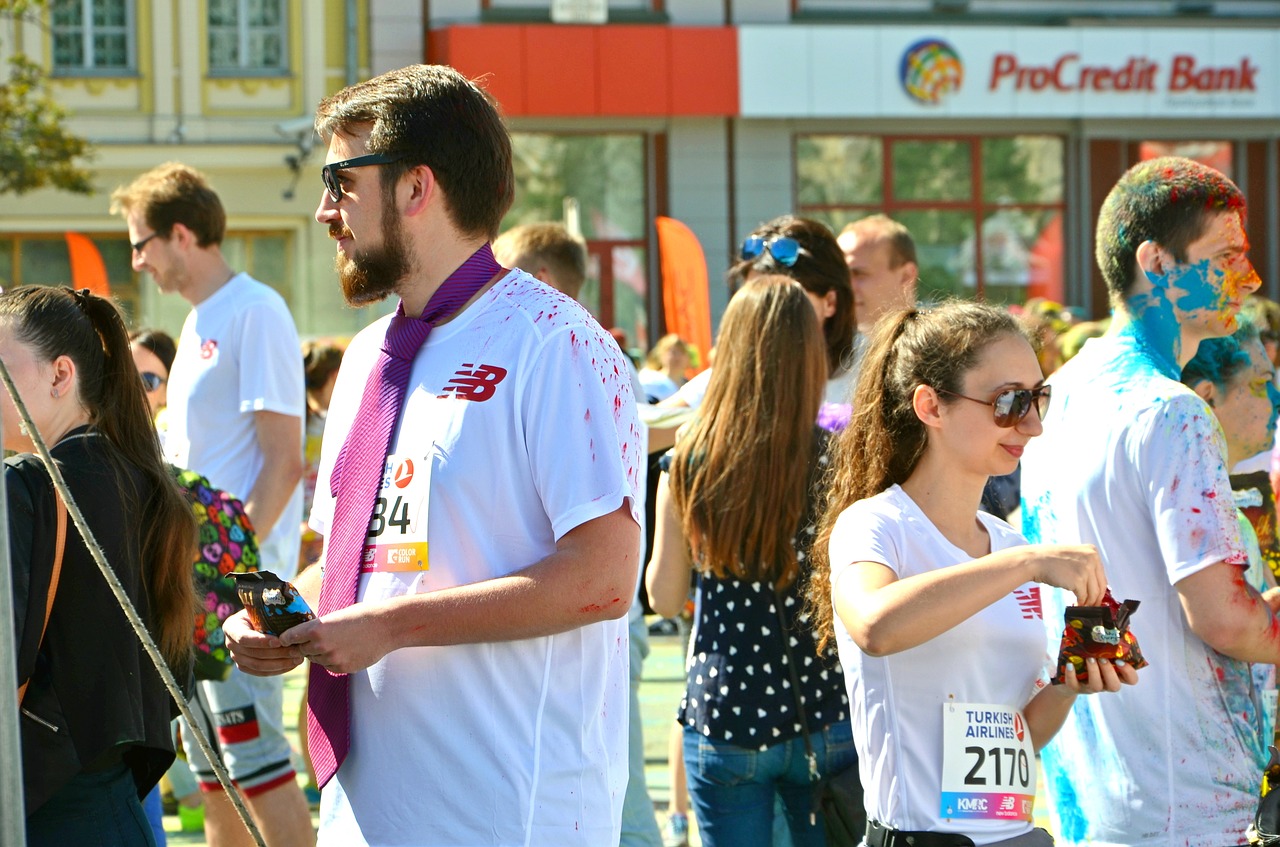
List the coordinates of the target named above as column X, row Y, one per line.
column 618, row 70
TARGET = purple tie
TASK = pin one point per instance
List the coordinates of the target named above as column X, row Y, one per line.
column 356, row 479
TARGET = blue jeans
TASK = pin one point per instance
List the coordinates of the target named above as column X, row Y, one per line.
column 733, row 788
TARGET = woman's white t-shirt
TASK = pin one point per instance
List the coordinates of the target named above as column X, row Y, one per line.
column 997, row 656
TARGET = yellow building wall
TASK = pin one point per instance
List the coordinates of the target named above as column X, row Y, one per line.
column 241, row 131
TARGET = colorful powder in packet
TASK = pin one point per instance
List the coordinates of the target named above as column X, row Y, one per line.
column 1098, row 632
column 273, row 604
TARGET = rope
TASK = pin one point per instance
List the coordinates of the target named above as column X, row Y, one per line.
column 113, row 582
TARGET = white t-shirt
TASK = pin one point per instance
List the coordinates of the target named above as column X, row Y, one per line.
column 238, row 354
column 997, row 656
column 521, row 424
column 839, row 388
column 1133, row 461
column 657, row 384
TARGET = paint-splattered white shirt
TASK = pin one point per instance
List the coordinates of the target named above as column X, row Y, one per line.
column 1135, row 463
column 519, row 425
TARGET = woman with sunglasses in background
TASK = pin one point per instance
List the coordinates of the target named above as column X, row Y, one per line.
column 153, row 352
column 936, row 604
column 736, row 505
column 806, row 251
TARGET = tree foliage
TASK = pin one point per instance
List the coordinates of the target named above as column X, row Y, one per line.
column 36, row 148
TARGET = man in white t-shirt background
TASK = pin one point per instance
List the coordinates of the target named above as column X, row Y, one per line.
column 485, row 655
column 1134, row 462
column 235, row 411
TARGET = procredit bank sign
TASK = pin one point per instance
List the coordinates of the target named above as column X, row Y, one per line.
column 1069, row 73
column 811, row 71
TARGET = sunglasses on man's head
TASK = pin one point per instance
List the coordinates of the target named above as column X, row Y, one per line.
column 1012, row 404
column 329, row 173
column 784, row 249
column 152, row 381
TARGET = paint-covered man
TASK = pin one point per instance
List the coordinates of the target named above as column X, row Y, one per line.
column 1135, row 462
column 478, row 494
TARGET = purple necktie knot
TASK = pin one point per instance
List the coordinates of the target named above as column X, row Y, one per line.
column 404, row 337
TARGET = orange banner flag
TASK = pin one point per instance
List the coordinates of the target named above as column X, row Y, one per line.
column 87, row 268
column 685, row 291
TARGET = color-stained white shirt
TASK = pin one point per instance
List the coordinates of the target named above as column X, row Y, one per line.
column 1133, row 461
column 519, row 425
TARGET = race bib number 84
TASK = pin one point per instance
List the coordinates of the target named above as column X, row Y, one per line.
column 397, row 536
column 988, row 763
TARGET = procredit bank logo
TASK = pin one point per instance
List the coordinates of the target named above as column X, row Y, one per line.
column 1184, row 74
column 930, row 71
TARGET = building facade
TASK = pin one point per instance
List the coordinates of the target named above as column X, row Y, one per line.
column 227, row 86
column 992, row 128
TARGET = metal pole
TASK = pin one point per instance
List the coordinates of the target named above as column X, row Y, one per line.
column 13, row 819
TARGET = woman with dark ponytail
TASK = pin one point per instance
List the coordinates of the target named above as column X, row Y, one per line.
column 934, row 605
column 95, row 714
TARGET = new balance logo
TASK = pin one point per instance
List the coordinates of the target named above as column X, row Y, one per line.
column 477, row 383
column 1029, row 602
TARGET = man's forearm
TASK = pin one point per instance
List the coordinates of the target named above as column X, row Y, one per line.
column 578, row 584
column 279, row 477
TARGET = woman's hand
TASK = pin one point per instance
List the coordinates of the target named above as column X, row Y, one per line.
column 1103, row 675
column 1048, row 709
column 1077, row 568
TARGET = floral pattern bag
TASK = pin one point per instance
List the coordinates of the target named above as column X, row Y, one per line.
column 227, row 544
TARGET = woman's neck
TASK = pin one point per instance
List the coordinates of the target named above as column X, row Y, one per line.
column 57, row 429
column 950, row 499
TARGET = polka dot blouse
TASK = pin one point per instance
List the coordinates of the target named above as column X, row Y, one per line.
column 739, row 688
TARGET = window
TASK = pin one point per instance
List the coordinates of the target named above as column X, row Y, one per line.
column 947, row 191
column 43, row 259
column 599, row 181
column 537, row 10
column 92, row 36
column 247, row 36
column 265, row 256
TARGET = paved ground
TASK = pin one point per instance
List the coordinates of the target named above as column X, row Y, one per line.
column 659, row 694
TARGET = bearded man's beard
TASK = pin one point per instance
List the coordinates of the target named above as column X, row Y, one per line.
column 367, row 276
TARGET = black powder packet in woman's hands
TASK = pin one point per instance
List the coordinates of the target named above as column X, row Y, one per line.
column 273, row 604
column 1098, row 632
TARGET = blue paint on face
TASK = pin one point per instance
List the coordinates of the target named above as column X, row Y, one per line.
column 1273, row 394
column 1197, row 287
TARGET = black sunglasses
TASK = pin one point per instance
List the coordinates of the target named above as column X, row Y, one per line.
column 329, row 173
column 786, row 251
column 152, row 381
column 1012, row 404
column 138, row 245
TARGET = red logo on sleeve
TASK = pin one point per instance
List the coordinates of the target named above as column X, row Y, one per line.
column 475, row 382
column 208, row 349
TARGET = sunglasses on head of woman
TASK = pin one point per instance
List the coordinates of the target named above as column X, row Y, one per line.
column 152, row 381
column 784, row 249
column 1012, row 405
